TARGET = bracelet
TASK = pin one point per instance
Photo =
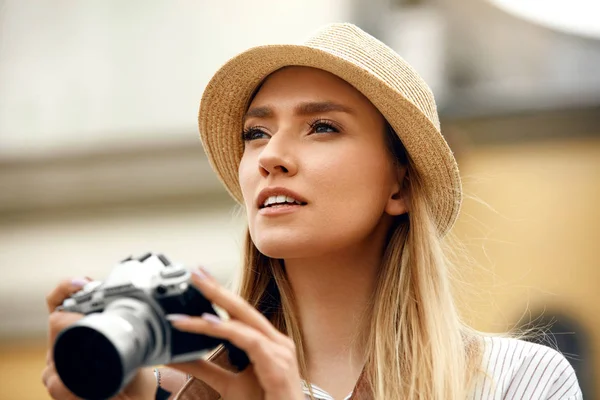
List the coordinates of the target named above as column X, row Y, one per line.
column 157, row 376
column 161, row 394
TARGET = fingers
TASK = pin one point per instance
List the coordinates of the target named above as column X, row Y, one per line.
column 237, row 307
column 274, row 362
column 47, row 373
column 64, row 290
column 238, row 333
column 259, row 348
column 214, row 376
column 58, row 321
column 56, row 389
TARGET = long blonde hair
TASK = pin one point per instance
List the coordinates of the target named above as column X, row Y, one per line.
column 418, row 348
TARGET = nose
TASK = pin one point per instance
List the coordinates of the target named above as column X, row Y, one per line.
column 277, row 157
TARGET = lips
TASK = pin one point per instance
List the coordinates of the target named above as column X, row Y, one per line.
column 270, row 197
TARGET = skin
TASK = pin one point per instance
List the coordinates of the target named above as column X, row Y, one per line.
column 335, row 157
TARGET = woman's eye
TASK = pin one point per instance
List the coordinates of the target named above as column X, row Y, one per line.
column 323, row 127
column 253, row 134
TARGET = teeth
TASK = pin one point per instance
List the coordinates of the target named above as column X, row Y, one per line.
column 280, row 199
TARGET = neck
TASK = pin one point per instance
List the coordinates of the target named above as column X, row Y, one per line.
column 332, row 295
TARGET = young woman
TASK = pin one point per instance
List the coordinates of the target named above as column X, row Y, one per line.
column 334, row 150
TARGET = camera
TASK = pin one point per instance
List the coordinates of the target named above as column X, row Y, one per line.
column 125, row 327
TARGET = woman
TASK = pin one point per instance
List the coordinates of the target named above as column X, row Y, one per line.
column 334, row 149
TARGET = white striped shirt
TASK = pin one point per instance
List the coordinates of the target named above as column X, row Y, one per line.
column 514, row 370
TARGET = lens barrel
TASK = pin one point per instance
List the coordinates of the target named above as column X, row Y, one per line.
column 98, row 355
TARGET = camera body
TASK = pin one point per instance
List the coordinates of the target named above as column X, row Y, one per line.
column 125, row 327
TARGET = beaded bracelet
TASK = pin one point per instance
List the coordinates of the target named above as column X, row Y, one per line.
column 161, row 394
column 157, row 376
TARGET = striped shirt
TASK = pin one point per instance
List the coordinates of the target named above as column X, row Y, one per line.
column 513, row 370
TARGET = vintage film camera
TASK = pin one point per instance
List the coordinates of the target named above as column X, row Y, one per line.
column 125, row 327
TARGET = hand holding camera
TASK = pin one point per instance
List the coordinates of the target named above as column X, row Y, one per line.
column 125, row 326
column 274, row 372
column 142, row 386
column 148, row 312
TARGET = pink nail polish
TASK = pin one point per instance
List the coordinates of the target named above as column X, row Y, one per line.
column 200, row 274
column 79, row 282
column 177, row 317
column 206, row 273
column 213, row 319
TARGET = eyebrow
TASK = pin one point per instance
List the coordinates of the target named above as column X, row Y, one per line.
column 307, row 108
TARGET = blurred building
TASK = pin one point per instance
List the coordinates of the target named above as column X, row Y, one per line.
column 99, row 155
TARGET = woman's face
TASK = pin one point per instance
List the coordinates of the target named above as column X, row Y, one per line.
column 311, row 138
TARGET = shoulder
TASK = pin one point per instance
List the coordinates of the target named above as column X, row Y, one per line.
column 516, row 369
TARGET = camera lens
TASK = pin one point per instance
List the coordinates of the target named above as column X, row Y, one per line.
column 98, row 355
column 88, row 363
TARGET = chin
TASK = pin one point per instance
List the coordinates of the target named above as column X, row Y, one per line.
column 282, row 247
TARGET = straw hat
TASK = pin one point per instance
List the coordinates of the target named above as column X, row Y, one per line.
column 372, row 68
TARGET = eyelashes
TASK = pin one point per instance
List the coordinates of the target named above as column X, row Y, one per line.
column 323, row 123
column 253, row 133
column 318, row 126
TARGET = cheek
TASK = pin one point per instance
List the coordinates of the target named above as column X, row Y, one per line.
column 358, row 178
column 248, row 178
column 352, row 188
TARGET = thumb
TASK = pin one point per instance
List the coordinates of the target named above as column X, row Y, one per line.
column 58, row 321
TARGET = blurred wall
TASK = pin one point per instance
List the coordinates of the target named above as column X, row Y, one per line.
column 531, row 222
column 540, row 246
column 79, row 75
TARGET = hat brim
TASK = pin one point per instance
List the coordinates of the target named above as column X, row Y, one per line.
column 227, row 95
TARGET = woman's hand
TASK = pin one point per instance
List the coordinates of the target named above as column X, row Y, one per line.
column 273, row 373
column 143, row 385
column 56, row 323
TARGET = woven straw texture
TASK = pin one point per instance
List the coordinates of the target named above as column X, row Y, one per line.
column 372, row 68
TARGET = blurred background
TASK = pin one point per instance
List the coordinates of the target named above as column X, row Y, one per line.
column 100, row 157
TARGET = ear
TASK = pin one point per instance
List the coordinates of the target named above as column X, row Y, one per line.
column 396, row 204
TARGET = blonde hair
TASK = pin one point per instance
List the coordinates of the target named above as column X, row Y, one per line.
column 418, row 348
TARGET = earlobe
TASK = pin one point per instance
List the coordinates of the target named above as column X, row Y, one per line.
column 396, row 204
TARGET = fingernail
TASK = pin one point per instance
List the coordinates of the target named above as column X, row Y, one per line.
column 177, row 317
column 200, row 274
column 213, row 319
column 206, row 273
column 79, row 282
